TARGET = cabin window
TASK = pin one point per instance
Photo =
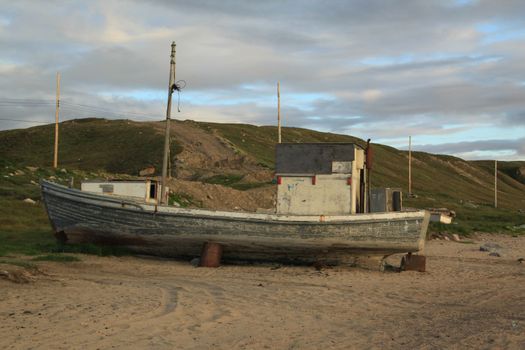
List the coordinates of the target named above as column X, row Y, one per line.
column 107, row 188
column 153, row 190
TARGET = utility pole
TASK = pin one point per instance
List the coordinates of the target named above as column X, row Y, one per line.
column 169, row 163
column 279, row 112
column 168, row 117
column 55, row 158
column 495, row 184
column 410, row 166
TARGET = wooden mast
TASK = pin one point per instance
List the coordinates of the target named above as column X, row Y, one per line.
column 55, row 157
column 167, row 133
column 278, row 112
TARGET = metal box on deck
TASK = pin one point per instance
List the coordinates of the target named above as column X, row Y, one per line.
column 385, row 200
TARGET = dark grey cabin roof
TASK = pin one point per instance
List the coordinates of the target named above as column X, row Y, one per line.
column 311, row 158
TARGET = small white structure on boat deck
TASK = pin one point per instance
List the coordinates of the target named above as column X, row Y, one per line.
column 143, row 190
column 320, row 178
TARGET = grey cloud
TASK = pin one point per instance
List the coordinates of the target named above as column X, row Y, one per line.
column 434, row 67
column 518, row 146
column 115, row 67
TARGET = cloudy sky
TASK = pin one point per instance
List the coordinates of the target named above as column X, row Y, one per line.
column 451, row 73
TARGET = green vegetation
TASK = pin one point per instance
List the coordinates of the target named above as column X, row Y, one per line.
column 483, row 219
column 259, row 141
column 90, row 248
column 486, row 219
column 224, row 180
column 41, row 241
column 119, row 146
column 440, row 177
column 18, row 262
column 472, row 216
column 25, row 228
column 28, row 241
column 234, row 181
column 245, row 186
column 183, row 200
column 56, row 258
column 514, row 169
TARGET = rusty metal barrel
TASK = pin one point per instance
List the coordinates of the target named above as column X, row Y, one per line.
column 211, row 255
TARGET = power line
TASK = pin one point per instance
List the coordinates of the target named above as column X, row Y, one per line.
column 25, row 104
column 25, row 99
column 24, row 121
column 75, row 107
column 88, row 108
column 73, row 110
column 65, row 119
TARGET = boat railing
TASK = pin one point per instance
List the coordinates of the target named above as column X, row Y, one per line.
column 89, row 195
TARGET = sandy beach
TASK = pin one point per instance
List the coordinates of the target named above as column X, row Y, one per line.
column 466, row 300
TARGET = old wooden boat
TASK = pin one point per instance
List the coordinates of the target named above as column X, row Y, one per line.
column 323, row 211
column 78, row 216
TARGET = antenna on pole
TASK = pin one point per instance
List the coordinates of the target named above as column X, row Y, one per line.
column 495, row 184
column 55, row 157
column 171, row 87
column 410, row 166
column 279, row 112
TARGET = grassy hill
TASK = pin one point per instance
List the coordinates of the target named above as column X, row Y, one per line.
column 230, row 154
column 117, row 146
column 439, row 176
column 514, row 169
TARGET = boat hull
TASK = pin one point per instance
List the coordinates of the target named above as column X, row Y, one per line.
column 177, row 232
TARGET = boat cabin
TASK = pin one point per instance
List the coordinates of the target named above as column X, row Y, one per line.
column 144, row 190
column 320, row 178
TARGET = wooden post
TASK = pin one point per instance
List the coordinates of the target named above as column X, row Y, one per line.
column 410, row 166
column 169, row 164
column 278, row 112
column 167, row 133
column 55, row 157
column 495, row 184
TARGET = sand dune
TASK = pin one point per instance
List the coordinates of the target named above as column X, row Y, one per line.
column 466, row 300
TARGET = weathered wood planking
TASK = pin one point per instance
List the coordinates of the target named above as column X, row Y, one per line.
column 178, row 232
